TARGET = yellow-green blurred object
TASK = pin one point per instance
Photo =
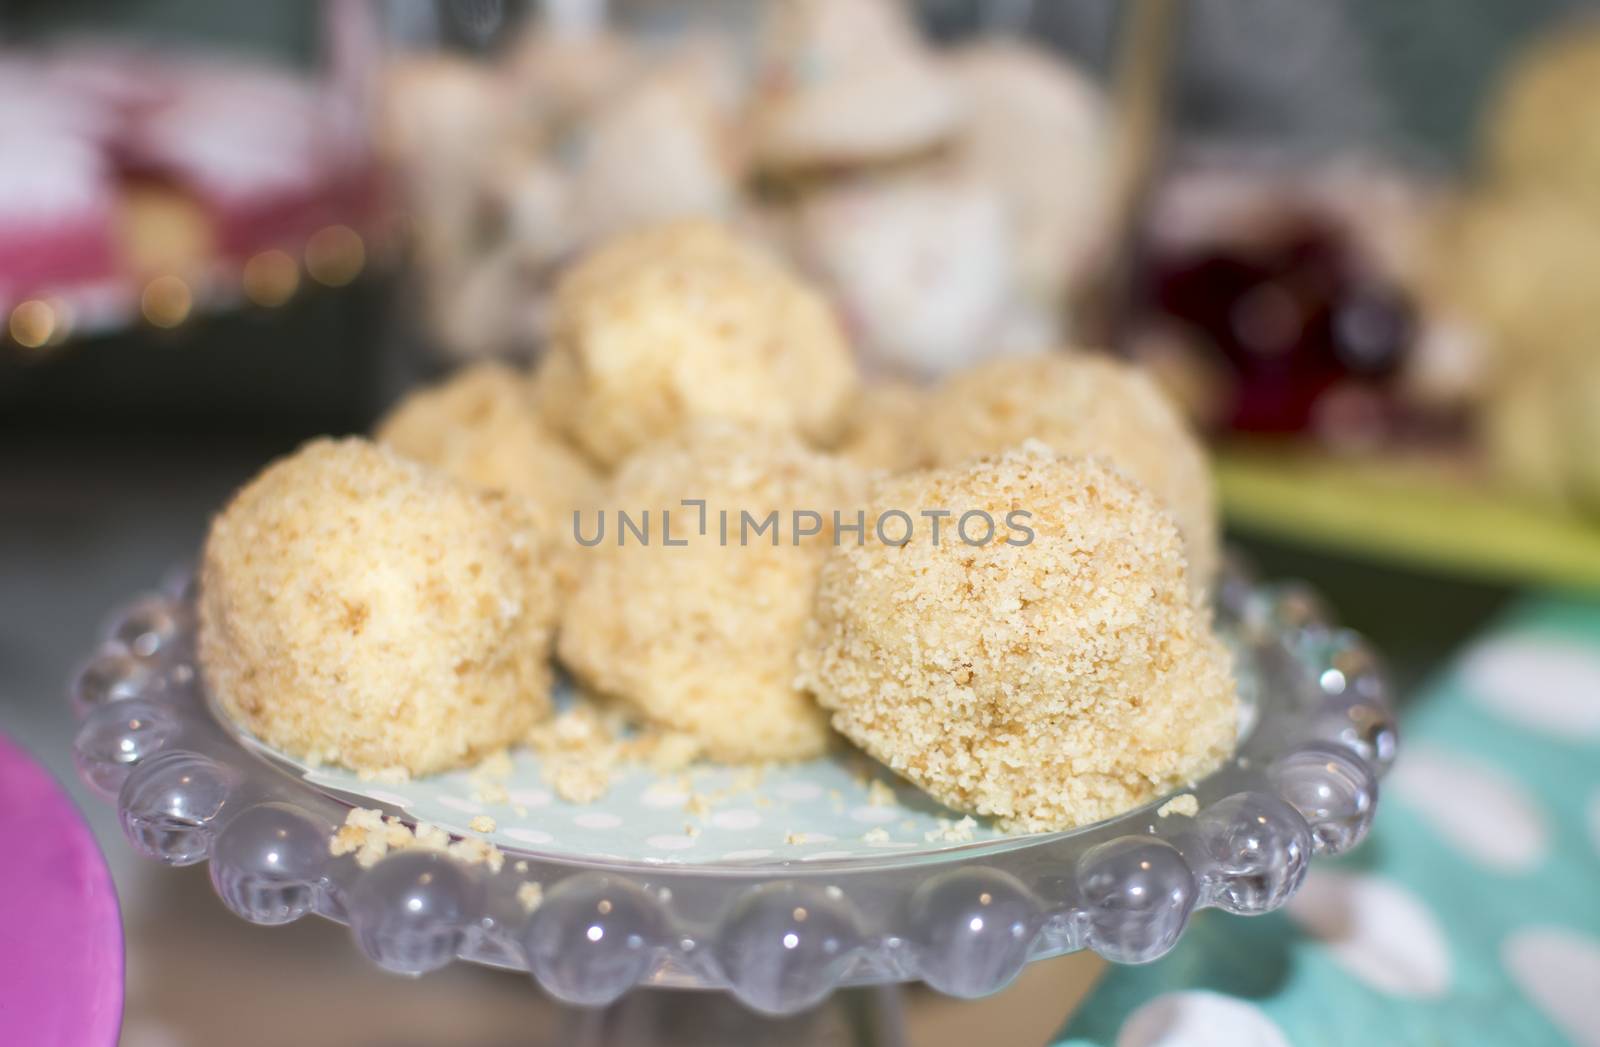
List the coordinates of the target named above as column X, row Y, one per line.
column 1417, row 512
column 1522, row 266
column 1519, row 258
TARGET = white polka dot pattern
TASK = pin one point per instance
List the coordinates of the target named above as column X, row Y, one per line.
column 1559, row 972
column 1477, row 808
column 1199, row 1019
column 1377, row 930
column 1541, row 683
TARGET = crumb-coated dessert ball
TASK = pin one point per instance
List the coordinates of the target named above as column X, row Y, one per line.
column 702, row 636
column 362, row 609
column 684, row 321
column 480, row 426
column 1082, row 404
column 1052, row 674
column 884, row 429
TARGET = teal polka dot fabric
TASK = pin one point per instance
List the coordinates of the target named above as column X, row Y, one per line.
column 1472, row 913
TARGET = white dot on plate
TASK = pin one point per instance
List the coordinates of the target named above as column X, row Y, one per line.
column 874, row 815
column 1377, row 930
column 1557, row 970
column 663, row 796
column 1479, row 809
column 1540, row 682
column 805, row 838
column 747, row 856
column 461, row 803
column 391, row 799
column 597, row 820
column 737, row 819
column 799, row 791
column 1195, row 1018
column 823, row 856
column 671, row 842
column 529, row 797
column 527, row 835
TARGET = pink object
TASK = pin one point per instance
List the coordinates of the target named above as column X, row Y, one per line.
column 60, row 932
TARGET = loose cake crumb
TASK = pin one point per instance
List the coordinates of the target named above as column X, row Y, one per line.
column 490, row 792
column 951, row 831
column 879, row 794
column 481, row 824
column 497, row 766
column 489, row 777
column 580, row 783
column 530, row 895
column 432, row 837
column 385, row 775
column 878, row 835
column 1185, row 805
column 521, row 867
column 580, row 750
column 370, row 836
column 474, row 851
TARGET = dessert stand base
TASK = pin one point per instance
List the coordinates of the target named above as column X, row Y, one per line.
column 783, row 934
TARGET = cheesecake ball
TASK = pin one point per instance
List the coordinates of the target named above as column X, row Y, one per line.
column 681, row 322
column 1082, row 404
column 1052, row 674
column 480, row 427
column 701, row 637
column 360, row 609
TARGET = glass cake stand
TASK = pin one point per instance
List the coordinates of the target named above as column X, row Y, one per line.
column 780, row 931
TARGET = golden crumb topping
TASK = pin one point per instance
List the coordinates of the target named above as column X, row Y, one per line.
column 360, row 609
column 701, row 637
column 683, row 321
column 1083, row 404
column 1053, row 676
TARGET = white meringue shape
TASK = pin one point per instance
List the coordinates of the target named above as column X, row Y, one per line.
column 1378, row 931
column 1195, row 1018
column 1476, row 807
column 1543, row 683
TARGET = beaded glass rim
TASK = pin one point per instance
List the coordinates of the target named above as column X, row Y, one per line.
column 779, row 936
